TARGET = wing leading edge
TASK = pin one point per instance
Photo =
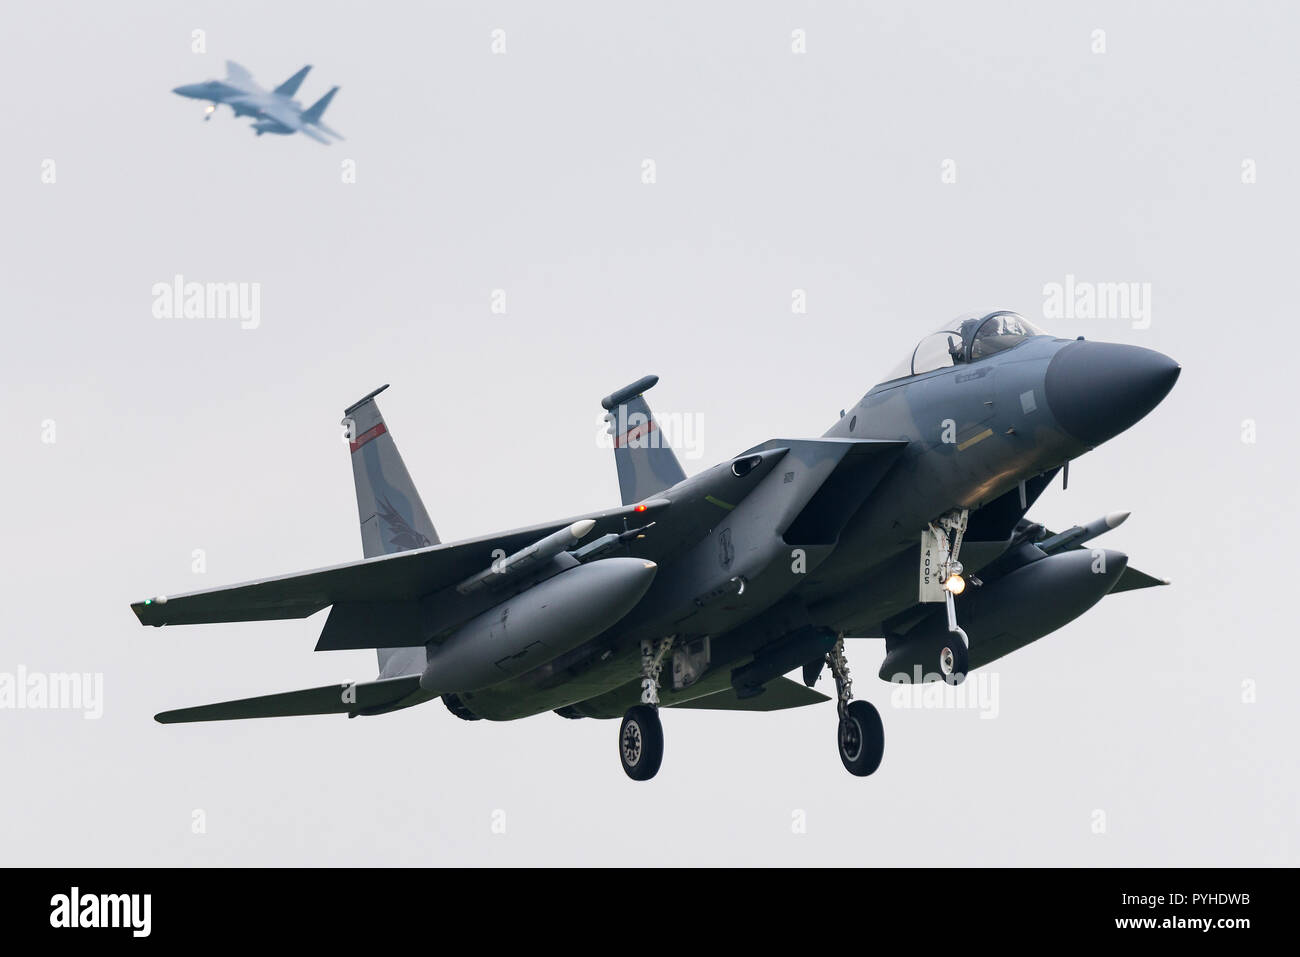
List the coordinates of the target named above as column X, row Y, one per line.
column 401, row 576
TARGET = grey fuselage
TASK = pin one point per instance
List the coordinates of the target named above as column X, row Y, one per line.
column 963, row 436
column 244, row 97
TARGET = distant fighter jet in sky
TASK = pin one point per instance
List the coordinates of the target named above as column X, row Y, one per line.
column 707, row 591
column 273, row 112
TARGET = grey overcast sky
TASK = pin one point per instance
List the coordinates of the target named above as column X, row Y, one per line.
column 1170, row 711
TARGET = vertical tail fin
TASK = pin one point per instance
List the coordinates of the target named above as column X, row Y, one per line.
column 393, row 518
column 645, row 462
column 314, row 112
column 290, row 86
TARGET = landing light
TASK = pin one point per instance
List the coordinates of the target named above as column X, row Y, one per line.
column 955, row 584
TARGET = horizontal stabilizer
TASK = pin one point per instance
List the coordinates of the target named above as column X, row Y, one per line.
column 401, row 576
column 777, row 695
column 362, row 698
column 308, row 132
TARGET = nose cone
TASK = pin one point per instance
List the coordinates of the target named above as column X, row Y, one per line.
column 1096, row 390
column 189, row 89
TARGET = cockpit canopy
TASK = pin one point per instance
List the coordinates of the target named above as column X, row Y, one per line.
column 966, row 339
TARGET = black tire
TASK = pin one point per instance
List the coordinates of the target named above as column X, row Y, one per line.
column 954, row 659
column 861, row 738
column 641, row 742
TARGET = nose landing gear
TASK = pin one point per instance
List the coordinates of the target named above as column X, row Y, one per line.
column 941, row 545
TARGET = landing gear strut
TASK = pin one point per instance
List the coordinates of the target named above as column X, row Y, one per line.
column 954, row 656
column 641, row 735
column 861, row 732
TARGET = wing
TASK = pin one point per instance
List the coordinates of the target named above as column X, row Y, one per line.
column 401, row 576
column 282, row 114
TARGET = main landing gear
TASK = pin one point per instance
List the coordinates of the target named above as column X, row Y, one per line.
column 861, row 732
column 641, row 735
column 641, row 742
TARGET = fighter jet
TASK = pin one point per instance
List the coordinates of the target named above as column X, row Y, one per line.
column 273, row 112
column 905, row 522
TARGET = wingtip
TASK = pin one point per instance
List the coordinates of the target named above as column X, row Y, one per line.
column 146, row 610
